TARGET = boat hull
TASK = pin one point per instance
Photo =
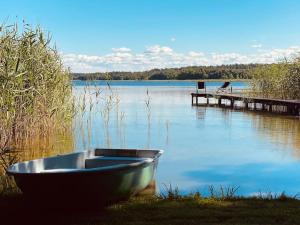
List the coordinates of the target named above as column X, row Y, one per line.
column 87, row 188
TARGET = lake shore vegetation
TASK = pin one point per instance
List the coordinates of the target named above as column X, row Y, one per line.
column 35, row 92
column 235, row 71
column 280, row 81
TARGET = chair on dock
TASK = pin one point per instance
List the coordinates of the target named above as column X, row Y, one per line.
column 224, row 88
column 201, row 86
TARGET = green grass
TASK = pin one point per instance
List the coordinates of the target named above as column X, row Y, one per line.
column 155, row 210
column 204, row 211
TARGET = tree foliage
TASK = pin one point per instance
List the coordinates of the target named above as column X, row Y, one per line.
column 236, row 71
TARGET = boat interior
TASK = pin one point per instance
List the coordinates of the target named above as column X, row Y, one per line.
column 87, row 160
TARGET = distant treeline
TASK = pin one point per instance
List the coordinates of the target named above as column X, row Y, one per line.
column 236, row 71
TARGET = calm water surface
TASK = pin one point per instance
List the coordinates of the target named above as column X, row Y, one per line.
column 203, row 145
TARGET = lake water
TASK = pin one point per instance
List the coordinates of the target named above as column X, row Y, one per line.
column 259, row 152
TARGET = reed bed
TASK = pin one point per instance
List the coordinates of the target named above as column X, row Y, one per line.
column 35, row 88
column 94, row 101
column 280, row 81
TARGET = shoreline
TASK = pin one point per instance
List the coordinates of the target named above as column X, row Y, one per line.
column 152, row 210
column 206, row 80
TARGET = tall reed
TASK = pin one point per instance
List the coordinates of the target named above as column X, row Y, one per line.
column 148, row 107
column 35, row 88
column 91, row 103
column 281, row 80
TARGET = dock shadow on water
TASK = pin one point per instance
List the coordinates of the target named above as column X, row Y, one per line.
column 275, row 128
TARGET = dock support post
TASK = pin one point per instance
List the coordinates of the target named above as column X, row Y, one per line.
column 296, row 112
column 289, row 109
column 219, row 101
column 293, row 110
column 231, row 103
column 262, row 106
column 196, row 100
column 207, row 100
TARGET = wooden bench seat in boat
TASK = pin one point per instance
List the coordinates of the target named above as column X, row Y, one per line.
column 96, row 162
column 103, row 161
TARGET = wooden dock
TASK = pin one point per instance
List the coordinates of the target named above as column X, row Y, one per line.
column 290, row 107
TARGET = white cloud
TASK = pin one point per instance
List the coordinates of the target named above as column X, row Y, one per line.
column 122, row 49
column 157, row 49
column 196, row 54
column 156, row 56
column 256, row 46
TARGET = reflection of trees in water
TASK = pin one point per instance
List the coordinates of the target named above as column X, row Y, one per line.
column 280, row 129
column 34, row 148
column 40, row 147
column 55, row 144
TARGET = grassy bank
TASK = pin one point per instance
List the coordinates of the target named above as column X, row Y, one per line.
column 154, row 210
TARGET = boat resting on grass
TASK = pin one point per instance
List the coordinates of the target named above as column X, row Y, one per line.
column 93, row 177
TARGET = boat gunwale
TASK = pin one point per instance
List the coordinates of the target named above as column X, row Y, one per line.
column 144, row 162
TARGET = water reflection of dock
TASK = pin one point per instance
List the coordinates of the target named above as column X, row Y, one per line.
column 290, row 107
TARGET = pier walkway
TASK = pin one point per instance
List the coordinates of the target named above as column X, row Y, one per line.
column 290, row 107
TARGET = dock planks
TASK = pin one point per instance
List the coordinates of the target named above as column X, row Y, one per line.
column 290, row 107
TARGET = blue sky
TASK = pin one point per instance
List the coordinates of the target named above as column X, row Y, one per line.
column 136, row 35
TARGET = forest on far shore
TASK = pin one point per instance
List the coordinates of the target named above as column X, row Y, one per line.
column 235, row 71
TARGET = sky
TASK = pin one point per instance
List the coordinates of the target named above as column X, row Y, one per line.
column 136, row 35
